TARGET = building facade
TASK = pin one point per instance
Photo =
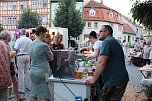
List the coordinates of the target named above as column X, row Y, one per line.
column 97, row 14
column 131, row 30
column 11, row 10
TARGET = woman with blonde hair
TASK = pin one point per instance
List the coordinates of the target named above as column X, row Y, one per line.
column 57, row 42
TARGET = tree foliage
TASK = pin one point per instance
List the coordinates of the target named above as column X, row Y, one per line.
column 29, row 19
column 1, row 27
column 141, row 12
column 67, row 16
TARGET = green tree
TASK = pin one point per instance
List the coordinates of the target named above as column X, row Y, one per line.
column 141, row 12
column 29, row 19
column 67, row 16
column 1, row 27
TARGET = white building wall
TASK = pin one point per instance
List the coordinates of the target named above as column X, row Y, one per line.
column 137, row 29
column 116, row 32
column 125, row 37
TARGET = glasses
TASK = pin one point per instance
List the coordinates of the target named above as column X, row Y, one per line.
column 102, row 31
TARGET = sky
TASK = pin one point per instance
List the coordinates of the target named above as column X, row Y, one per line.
column 122, row 6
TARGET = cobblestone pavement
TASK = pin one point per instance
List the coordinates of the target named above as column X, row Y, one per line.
column 134, row 91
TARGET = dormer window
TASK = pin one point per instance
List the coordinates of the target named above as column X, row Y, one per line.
column 111, row 14
column 92, row 12
column 118, row 17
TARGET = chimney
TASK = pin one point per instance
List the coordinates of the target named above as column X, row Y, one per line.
column 101, row 2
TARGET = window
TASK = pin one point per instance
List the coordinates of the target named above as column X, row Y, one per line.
column 89, row 25
column 119, row 17
column 45, row 4
column 136, row 30
column 44, row 19
column 132, row 38
column 96, row 25
column 92, row 12
column 4, row 6
column 23, row 5
column 124, row 37
column 10, row 6
column 33, row 4
column 39, row 4
column 111, row 25
column 119, row 28
column 14, row 21
column 111, row 14
column 9, row 21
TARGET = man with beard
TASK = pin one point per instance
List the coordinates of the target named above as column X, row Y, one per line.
column 111, row 65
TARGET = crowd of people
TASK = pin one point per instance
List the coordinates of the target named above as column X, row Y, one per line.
column 22, row 62
column 25, row 63
column 140, row 51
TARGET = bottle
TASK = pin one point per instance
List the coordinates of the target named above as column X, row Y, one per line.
column 85, row 73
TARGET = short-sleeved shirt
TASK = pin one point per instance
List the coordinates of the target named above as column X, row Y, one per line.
column 97, row 45
column 23, row 44
column 115, row 72
column 39, row 52
column 146, row 53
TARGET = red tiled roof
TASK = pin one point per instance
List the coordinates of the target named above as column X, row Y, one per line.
column 128, row 29
column 95, row 4
column 102, row 13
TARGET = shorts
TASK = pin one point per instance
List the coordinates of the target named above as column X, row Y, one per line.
column 112, row 93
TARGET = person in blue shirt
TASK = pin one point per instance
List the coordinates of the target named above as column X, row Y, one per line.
column 111, row 65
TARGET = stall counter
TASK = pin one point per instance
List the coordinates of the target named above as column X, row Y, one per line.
column 60, row 89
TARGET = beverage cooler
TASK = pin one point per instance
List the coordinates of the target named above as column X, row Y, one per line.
column 62, row 84
column 63, row 64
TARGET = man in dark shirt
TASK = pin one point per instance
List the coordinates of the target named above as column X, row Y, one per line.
column 111, row 66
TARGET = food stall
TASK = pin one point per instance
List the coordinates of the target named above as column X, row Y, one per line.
column 68, row 82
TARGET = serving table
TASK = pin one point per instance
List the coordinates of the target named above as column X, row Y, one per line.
column 146, row 70
column 147, row 80
column 67, row 90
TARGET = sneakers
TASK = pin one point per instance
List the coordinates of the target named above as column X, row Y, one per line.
column 21, row 96
column 11, row 97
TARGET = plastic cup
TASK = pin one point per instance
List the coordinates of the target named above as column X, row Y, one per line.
column 90, row 73
column 12, row 53
column 78, row 74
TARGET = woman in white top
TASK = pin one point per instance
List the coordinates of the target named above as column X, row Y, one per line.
column 96, row 44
